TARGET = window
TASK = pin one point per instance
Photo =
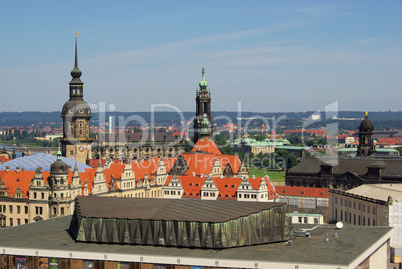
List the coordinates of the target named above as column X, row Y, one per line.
column 37, row 210
column 354, row 205
column 305, row 220
column 358, row 206
column 373, row 211
column 61, row 210
column 364, row 221
column 341, row 201
column 34, row 195
column 346, row 216
column 359, row 221
column 40, row 210
column 18, row 209
column 373, row 222
column 336, row 200
column 354, row 219
column 26, row 209
column 368, row 209
column 18, row 222
column 341, row 215
column 26, row 221
column 11, row 210
column 300, row 219
column 364, row 209
column 1, row 207
column 350, row 203
column 368, row 221
column 43, row 195
column 54, row 211
column 11, row 222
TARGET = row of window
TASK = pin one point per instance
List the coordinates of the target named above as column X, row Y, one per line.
column 3, row 209
column 3, row 223
column 211, row 194
column 247, row 196
column 172, row 192
column 42, row 195
column 344, row 216
column 349, row 204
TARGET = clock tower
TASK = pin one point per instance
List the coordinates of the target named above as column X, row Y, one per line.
column 203, row 110
column 76, row 113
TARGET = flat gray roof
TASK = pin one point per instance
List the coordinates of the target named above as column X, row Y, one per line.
column 51, row 238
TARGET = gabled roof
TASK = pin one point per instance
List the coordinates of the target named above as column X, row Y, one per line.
column 206, row 144
column 227, row 187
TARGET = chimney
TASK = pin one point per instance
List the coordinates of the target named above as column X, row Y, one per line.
column 7, row 169
column 17, row 169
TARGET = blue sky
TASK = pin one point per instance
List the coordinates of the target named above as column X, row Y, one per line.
column 272, row 56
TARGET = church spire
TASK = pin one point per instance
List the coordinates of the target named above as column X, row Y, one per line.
column 76, row 72
column 59, row 153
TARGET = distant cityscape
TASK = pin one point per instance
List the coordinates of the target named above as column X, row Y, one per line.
column 199, row 190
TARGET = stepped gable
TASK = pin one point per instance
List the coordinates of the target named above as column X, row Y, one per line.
column 178, row 222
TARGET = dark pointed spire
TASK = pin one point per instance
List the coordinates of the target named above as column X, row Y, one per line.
column 76, row 72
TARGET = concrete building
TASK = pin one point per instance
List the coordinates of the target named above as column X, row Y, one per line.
column 325, row 248
column 371, row 205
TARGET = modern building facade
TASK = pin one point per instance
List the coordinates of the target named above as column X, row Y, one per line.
column 371, row 205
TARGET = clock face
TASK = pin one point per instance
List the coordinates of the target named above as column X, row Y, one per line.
column 81, row 148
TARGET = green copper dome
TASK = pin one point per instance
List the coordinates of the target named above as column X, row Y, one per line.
column 203, row 82
column 205, row 126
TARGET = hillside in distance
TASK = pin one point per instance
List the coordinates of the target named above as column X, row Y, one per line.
column 347, row 120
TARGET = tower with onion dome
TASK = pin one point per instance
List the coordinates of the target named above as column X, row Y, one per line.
column 203, row 106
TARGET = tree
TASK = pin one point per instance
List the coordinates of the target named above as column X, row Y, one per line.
column 400, row 150
column 259, row 137
column 294, row 140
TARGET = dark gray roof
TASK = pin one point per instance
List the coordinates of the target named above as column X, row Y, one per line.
column 167, row 209
column 140, row 137
column 52, row 235
column 393, row 167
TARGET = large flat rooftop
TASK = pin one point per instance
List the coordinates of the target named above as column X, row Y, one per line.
column 167, row 209
column 51, row 238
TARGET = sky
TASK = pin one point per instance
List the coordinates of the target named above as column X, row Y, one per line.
column 265, row 56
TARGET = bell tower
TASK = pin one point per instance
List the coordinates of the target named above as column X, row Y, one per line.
column 366, row 138
column 76, row 113
column 203, row 107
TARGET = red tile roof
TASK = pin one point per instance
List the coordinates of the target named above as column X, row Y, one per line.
column 302, row 191
column 206, row 144
column 4, row 159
